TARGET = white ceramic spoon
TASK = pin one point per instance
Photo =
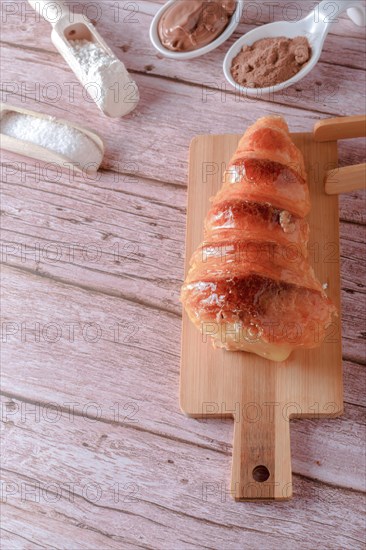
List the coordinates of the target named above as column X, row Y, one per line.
column 315, row 26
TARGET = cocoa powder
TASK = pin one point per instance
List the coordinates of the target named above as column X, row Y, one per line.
column 270, row 61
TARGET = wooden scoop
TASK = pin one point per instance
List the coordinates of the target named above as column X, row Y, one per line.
column 87, row 161
column 262, row 396
column 69, row 26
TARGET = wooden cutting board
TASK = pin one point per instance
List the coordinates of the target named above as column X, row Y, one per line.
column 259, row 394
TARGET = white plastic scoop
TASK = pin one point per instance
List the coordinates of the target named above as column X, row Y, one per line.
column 100, row 71
column 315, row 27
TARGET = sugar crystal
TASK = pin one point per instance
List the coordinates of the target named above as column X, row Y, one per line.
column 55, row 136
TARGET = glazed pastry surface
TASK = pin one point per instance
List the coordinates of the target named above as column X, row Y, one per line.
column 250, row 285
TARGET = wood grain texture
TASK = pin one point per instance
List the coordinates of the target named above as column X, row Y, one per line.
column 346, row 179
column 334, row 129
column 137, row 498
column 133, row 212
column 215, row 382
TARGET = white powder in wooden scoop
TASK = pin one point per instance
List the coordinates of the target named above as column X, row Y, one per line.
column 116, row 93
column 61, row 139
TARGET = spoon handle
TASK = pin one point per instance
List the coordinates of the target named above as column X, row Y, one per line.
column 357, row 14
column 328, row 12
column 50, row 11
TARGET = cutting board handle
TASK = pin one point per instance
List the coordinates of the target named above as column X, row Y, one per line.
column 261, row 467
column 345, row 180
column 350, row 178
column 342, row 127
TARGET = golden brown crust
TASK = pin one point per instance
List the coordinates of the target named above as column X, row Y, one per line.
column 269, row 139
column 252, row 269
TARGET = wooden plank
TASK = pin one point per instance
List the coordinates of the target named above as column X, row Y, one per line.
column 105, row 266
column 38, row 209
column 76, row 213
column 343, row 46
column 352, row 207
column 154, row 142
column 36, row 527
column 354, row 383
column 130, row 370
column 54, row 208
column 113, row 480
column 215, row 376
column 141, row 57
column 16, row 541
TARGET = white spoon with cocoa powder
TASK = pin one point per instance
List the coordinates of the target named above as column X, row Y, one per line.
column 315, row 27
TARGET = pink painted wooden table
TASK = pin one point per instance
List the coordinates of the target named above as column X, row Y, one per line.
column 96, row 453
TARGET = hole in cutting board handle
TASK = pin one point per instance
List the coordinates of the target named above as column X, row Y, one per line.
column 260, row 473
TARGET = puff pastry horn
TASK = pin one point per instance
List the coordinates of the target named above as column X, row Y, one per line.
column 250, row 285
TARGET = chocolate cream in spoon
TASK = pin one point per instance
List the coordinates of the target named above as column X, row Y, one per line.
column 191, row 24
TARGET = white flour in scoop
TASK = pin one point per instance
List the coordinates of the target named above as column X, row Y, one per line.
column 105, row 78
